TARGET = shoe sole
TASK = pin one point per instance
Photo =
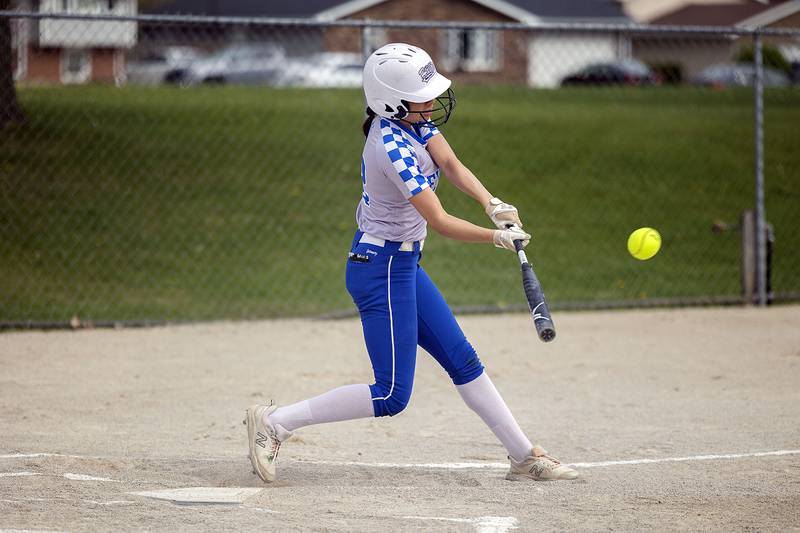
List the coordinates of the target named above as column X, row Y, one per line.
column 250, row 421
column 523, row 477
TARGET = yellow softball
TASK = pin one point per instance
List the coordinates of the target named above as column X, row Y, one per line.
column 644, row 243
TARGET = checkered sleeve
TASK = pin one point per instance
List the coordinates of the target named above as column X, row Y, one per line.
column 402, row 166
column 427, row 132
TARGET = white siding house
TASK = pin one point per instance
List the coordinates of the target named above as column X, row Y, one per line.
column 551, row 57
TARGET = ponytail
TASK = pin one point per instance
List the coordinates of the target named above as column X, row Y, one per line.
column 368, row 121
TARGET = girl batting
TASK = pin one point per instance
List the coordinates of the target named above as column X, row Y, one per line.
column 400, row 306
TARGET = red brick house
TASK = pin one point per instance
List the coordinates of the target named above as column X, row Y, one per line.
column 72, row 51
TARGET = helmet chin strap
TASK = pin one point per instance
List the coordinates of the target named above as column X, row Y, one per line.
column 427, row 123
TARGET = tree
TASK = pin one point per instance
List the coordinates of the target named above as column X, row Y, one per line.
column 10, row 110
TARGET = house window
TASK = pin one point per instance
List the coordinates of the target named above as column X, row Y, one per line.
column 89, row 7
column 76, row 66
column 472, row 50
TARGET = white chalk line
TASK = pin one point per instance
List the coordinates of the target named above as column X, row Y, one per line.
column 461, row 466
column 501, row 466
column 483, row 524
column 689, row 458
column 260, row 509
column 44, row 454
column 112, row 502
column 202, row 495
column 30, row 531
column 83, row 477
column 111, row 458
column 68, row 475
column 67, row 501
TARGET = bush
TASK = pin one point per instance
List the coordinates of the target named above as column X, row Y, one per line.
column 771, row 55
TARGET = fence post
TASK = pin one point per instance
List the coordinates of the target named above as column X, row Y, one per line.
column 761, row 256
column 747, row 223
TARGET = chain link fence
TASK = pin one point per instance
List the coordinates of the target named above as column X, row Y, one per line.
column 187, row 168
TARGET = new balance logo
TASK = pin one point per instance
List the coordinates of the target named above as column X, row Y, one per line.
column 538, row 469
column 261, row 439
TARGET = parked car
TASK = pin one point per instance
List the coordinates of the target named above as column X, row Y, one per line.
column 153, row 67
column 627, row 72
column 738, row 75
column 249, row 63
column 326, row 69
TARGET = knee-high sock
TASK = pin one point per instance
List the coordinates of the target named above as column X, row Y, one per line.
column 344, row 403
column 481, row 396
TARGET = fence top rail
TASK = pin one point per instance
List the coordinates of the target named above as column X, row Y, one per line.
column 630, row 28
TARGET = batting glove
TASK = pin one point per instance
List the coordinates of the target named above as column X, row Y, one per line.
column 505, row 238
column 502, row 214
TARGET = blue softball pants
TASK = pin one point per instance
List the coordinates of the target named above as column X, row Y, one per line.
column 401, row 308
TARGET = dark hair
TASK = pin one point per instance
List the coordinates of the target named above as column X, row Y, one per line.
column 368, row 121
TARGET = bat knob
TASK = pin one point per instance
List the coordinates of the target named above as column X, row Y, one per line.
column 547, row 334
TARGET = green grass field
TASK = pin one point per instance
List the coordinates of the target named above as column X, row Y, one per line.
column 209, row 203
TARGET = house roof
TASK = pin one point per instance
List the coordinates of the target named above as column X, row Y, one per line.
column 572, row 9
column 722, row 14
column 246, row 8
column 521, row 10
column 776, row 13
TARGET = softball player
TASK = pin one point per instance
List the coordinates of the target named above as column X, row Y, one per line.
column 400, row 306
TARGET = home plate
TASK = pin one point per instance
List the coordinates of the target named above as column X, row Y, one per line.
column 202, row 495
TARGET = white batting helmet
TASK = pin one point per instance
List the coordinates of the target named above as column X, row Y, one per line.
column 398, row 73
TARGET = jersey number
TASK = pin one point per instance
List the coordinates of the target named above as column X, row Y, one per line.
column 364, row 194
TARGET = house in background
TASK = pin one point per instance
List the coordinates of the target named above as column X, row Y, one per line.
column 72, row 51
column 517, row 57
column 540, row 59
column 692, row 54
column 210, row 37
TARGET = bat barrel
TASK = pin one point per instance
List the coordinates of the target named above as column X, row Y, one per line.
column 536, row 300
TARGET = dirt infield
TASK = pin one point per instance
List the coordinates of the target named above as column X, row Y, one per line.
column 677, row 419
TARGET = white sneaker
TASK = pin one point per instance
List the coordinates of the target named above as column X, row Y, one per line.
column 540, row 467
column 264, row 440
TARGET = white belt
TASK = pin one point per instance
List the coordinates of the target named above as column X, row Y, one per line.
column 406, row 246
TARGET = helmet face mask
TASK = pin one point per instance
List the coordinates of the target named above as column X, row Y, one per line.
column 441, row 111
column 398, row 75
column 438, row 115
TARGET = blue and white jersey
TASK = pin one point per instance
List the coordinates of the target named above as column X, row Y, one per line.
column 394, row 167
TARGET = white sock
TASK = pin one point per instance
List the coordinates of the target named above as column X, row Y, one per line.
column 481, row 396
column 345, row 403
